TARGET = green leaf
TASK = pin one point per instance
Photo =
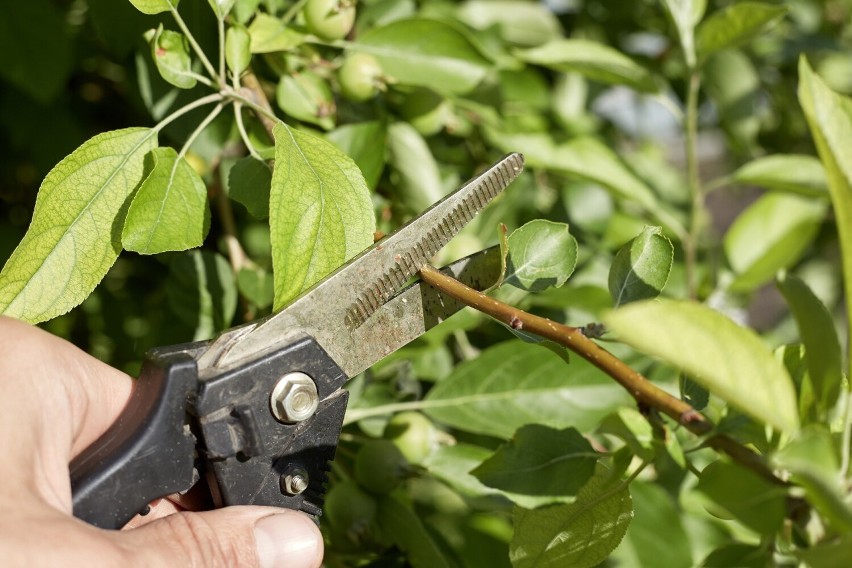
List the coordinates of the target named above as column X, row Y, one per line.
column 542, row 254
column 540, row 466
column 591, row 159
column 832, row 554
column 169, row 210
column 785, row 172
column 74, row 236
column 35, row 50
column 771, row 234
column 513, row 384
column 736, row 24
column 365, row 143
column 580, row 535
column 402, row 526
column 453, row 464
column 249, row 182
column 202, row 292
column 629, row 425
column 320, row 213
column 306, row 96
column 519, row 22
column 425, row 53
column 641, row 268
column 730, row 361
column 830, row 118
column 170, row 51
column 819, row 336
column 237, row 48
column 814, row 465
column 685, row 14
column 654, row 508
column 221, row 7
column 593, row 60
column 269, row 34
column 154, row 6
column 416, row 175
column 752, row 500
column 734, row 86
column 257, row 286
column 739, row 555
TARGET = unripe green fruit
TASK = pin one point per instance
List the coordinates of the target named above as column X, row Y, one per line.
column 380, row 466
column 330, row 19
column 413, row 434
column 360, row 77
column 350, row 511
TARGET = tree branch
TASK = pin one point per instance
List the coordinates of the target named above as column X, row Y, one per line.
column 640, row 388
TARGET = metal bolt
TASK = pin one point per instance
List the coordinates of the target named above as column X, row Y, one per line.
column 294, row 481
column 294, row 398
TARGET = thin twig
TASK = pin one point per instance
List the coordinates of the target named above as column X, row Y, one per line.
column 641, row 389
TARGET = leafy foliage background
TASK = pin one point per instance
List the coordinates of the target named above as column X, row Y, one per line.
column 667, row 146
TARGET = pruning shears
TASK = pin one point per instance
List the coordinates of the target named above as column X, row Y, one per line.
column 257, row 411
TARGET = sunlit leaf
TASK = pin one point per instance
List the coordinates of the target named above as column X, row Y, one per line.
column 154, row 6
column 785, row 172
column 75, row 234
column 736, row 24
column 320, row 213
column 425, row 53
column 513, row 384
column 221, row 7
column 730, row 361
column 237, row 48
column 269, row 34
column 641, row 268
column 169, row 210
column 771, row 234
column 830, row 119
column 822, row 346
column 593, row 60
column 306, row 96
column 416, row 175
column 542, row 254
column 170, row 51
column 580, row 535
column 685, row 14
column 519, row 22
column 540, row 466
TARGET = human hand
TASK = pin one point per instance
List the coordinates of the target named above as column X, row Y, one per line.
column 54, row 401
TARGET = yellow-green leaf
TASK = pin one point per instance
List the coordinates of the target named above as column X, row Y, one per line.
column 830, row 117
column 320, row 213
column 154, row 6
column 729, row 360
column 75, row 234
column 169, row 212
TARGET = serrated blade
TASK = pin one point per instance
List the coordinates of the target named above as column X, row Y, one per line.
column 337, row 309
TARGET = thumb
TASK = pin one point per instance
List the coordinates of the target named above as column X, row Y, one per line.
column 233, row 536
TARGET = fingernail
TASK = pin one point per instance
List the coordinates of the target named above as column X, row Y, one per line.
column 288, row 539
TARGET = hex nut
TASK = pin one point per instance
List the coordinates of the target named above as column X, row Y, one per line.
column 294, row 481
column 294, row 398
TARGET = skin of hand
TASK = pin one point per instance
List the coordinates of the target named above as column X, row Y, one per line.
column 54, row 401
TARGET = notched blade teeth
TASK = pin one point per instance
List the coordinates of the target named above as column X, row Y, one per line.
column 488, row 186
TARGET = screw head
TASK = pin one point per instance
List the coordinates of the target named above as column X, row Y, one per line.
column 294, row 398
column 294, row 481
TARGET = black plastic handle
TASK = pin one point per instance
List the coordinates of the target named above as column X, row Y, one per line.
column 147, row 453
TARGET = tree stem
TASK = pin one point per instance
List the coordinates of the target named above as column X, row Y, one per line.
column 645, row 392
column 694, row 182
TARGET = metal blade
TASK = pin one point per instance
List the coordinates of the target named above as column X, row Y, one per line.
column 338, row 307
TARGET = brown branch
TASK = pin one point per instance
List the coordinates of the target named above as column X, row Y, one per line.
column 640, row 388
column 254, row 92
